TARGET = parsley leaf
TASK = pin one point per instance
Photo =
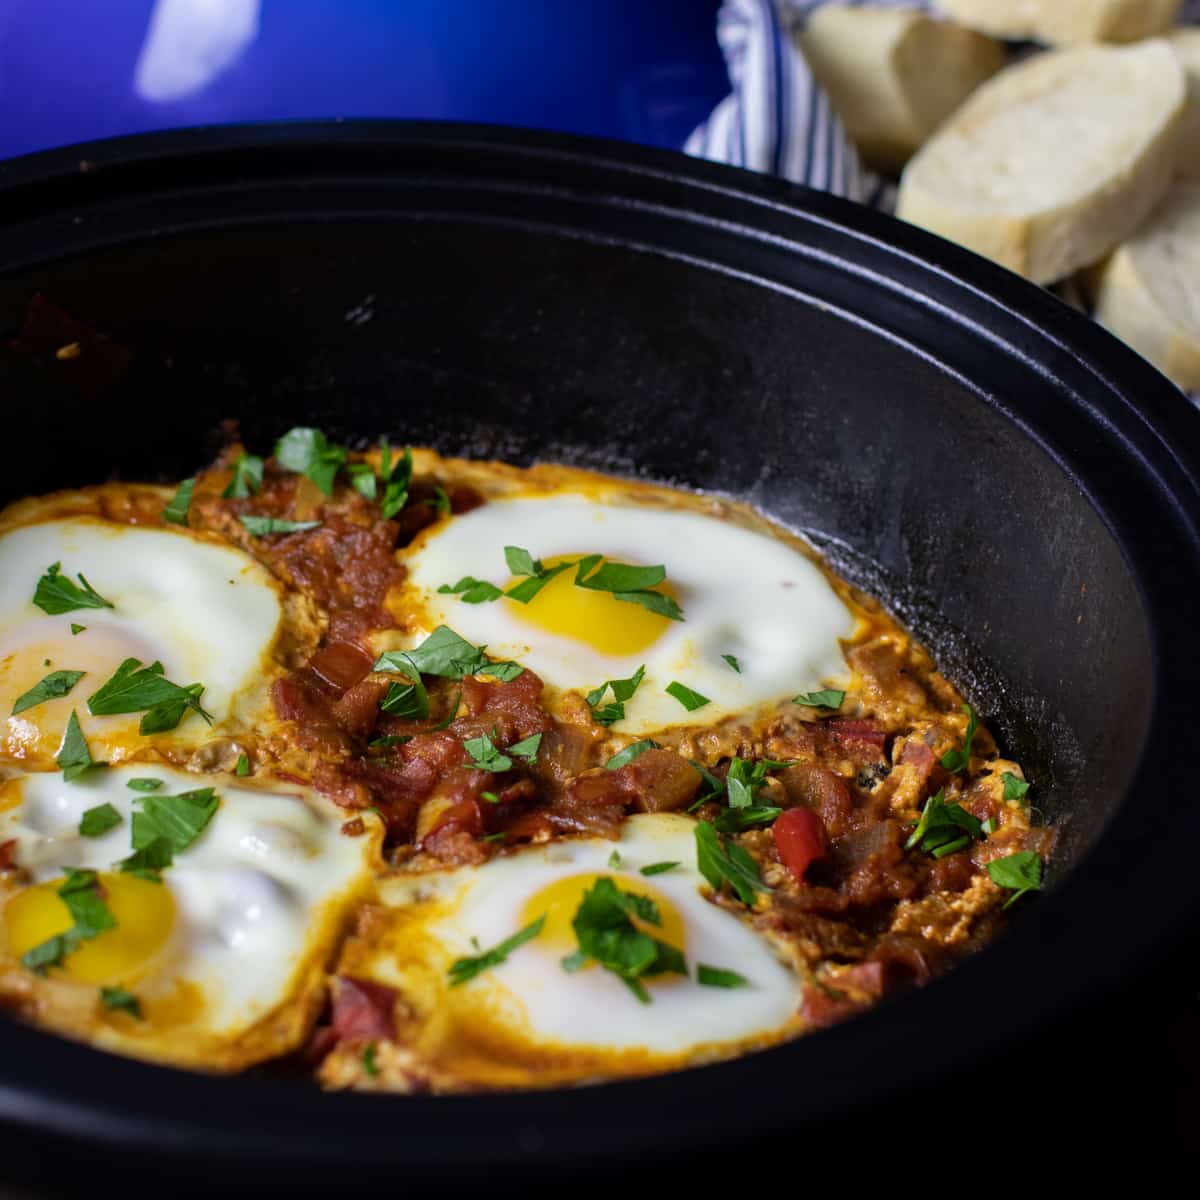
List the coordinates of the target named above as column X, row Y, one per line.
column 178, row 820
column 738, row 820
column 308, row 452
column 743, row 781
column 74, row 757
column 629, row 583
column 689, row 699
column 264, row 526
column 134, row 688
column 472, row 591
column 243, row 766
column 97, row 821
column 144, row 785
column 829, row 698
column 392, row 739
column 957, row 760
column 117, row 999
column 485, row 756
column 396, row 476
column 56, row 684
column 464, row 969
column 247, row 477
column 659, row 868
column 605, row 932
column 90, row 916
column 55, row 593
column 721, row 862
column 527, row 748
column 177, row 511
column 76, row 630
column 409, row 700
column 944, row 828
column 445, row 654
column 1014, row 788
column 714, row 787
column 733, row 662
column 521, row 562
column 715, row 977
column 148, row 861
column 626, row 756
column 622, row 690
column 1021, row 872
column 614, row 860
column 368, row 1059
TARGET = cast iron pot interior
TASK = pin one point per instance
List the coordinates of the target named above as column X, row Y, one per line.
column 1018, row 485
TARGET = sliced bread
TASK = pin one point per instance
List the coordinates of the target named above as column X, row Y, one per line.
column 894, row 75
column 1054, row 161
column 1148, row 293
column 1057, row 21
column 1186, row 43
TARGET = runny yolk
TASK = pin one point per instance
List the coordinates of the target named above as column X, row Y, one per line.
column 560, row 901
column 144, row 912
column 596, row 618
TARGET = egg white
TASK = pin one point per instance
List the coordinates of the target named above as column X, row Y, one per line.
column 593, row 1010
column 205, row 610
column 251, row 892
column 743, row 594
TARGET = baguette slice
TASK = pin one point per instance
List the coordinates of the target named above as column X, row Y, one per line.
column 1148, row 293
column 1056, row 160
column 1057, row 21
column 1186, row 43
column 894, row 75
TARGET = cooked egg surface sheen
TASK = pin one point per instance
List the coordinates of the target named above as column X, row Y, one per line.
column 530, row 1001
column 204, row 610
column 236, row 917
column 742, row 593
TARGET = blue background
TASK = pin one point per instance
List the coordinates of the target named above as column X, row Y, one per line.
column 641, row 70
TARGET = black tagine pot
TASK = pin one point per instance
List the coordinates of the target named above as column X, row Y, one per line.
column 1021, row 488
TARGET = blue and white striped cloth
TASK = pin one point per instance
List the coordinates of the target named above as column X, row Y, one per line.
column 775, row 119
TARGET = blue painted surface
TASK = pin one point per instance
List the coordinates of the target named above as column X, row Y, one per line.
column 640, row 70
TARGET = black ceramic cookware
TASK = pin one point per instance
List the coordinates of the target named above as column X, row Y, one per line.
column 1019, row 486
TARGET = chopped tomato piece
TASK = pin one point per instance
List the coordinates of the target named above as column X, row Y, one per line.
column 800, row 840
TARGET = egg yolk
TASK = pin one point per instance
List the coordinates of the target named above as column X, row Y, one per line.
column 144, row 912
column 596, row 618
column 559, row 902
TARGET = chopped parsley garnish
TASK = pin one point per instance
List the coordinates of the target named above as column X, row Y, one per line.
column 626, row 756
column 521, row 562
column 76, row 630
column 614, row 860
column 55, row 593
column 166, row 826
column 714, row 786
column 96, row 822
column 247, row 478
column 689, row 699
column 73, row 756
column 56, row 684
column 392, row 739
column 440, row 502
column 490, row 797
column 830, row 698
column 308, row 452
column 944, row 828
column 659, row 868
column 117, row 999
column 738, row 820
column 1021, row 872
column 527, row 748
column 134, row 688
column 243, row 766
column 721, row 861
column 396, row 477
column 409, row 700
column 957, row 760
column 464, row 969
column 264, row 526
column 445, row 654
column 622, row 690
column 743, row 781
column 177, row 511
column 485, row 756
column 80, row 892
column 733, row 662
column 606, row 933
column 145, row 784
column 716, row 977
column 472, row 591
column 989, row 826
column 368, row 1059
column 625, row 582
column 1014, row 788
